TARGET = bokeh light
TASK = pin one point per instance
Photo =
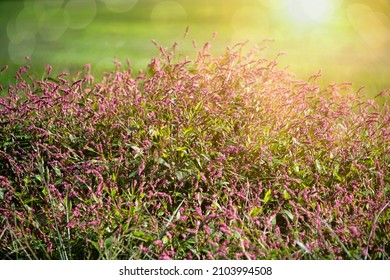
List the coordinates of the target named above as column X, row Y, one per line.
column 371, row 26
column 168, row 11
column 53, row 27
column 119, row 6
column 44, row 8
column 348, row 40
column 80, row 13
column 272, row 4
column 311, row 10
column 27, row 22
column 24, row 25
column 19, row 50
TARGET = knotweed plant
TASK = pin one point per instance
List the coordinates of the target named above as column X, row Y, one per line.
column 218, row 157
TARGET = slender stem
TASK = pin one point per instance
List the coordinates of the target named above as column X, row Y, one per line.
column 372, row 228
column 338, row 240
column 67, row 221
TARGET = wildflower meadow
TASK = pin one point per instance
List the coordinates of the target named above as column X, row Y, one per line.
column 214, row 157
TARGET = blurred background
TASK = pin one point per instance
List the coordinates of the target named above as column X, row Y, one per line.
column 348, row 40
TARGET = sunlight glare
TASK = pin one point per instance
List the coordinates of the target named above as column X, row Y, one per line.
column 311, row 10
column 371, row 26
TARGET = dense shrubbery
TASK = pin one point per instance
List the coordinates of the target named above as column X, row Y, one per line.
column 223, row 157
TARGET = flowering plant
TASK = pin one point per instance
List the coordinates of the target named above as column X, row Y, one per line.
column 219, row 157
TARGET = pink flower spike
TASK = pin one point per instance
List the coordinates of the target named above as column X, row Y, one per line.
column 48, row 68
column 5, row 67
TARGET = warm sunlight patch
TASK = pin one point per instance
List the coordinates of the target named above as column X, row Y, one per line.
column 168, row 11
column 307, row 11
column 370, row 25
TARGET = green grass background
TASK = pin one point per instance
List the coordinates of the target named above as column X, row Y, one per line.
column 334, row 47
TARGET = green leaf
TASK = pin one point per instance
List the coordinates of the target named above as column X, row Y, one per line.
column 178, row 215
column 286, row 195
column 296, row 168
column 303, row 185
column 95, row 106
column 95, row 198
column 248, row 142
column 336, row 172
column 179, row 175
column 154, row 132
column 165, row 239
column 318, row 166
column 163, row 162
column 198, row 106
column 72, row 138
column 267, row 196
column 187, row 130
column 160, row 213
column 92, row 150
column 132, row 174
column 108, row 242
column 288, row 214
column 199, row 165
column 94, row 244
column 47, row 174
column 303, row 247
column 57, row 171
column 27, row 201
column 273, row 221
column 255, row 211
column 138, row 233
column 38, row 177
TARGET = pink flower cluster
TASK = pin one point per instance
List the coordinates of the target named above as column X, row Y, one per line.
column 226, row 157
